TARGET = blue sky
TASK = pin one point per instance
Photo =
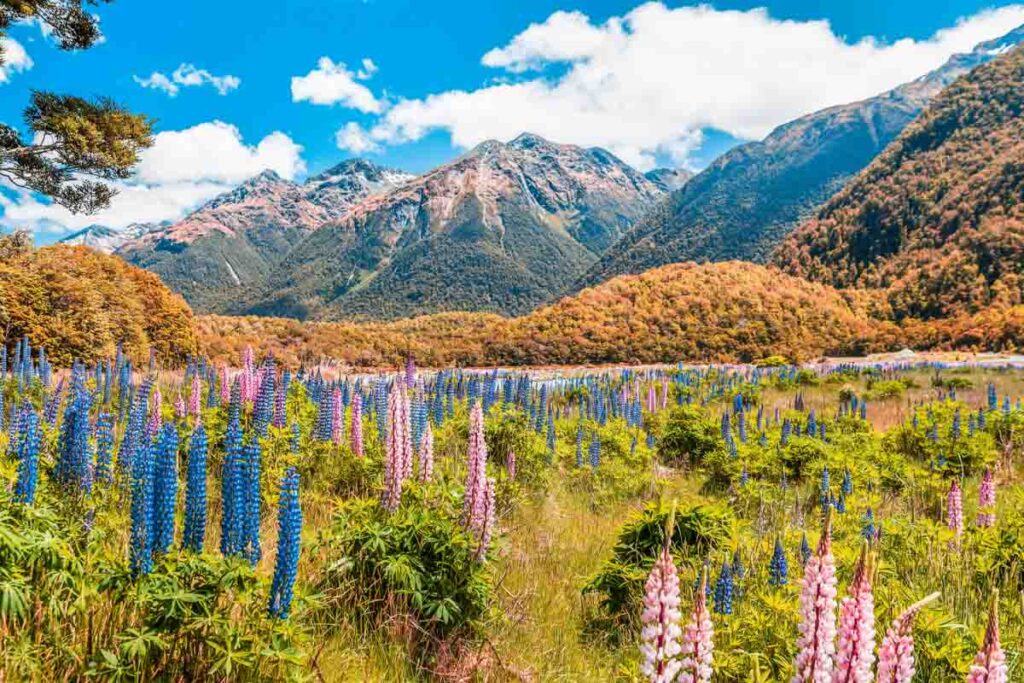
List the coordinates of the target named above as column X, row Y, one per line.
column 659, row 84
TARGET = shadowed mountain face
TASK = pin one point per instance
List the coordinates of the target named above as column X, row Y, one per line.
column 937, row 220
column 503, row 228
column 232, row 242
column 750, row 198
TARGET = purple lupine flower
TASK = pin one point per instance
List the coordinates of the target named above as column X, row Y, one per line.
column 987, row 500
column 398, row 459
column 476, row 473
column 356, row 432
column 955, row 511
column 195, row 398
column 487, row 521
column 337, row 417
column 427, row 454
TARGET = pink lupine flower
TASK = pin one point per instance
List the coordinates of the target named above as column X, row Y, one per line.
column 155, row 418
column 510, row 464
column 664, row 393
column 487, row 520
column 179, row 408
column 896, row 654
column 660, row 636
column 814, row 660
column 225, row 387
column 698, row 647
column 652, row 401
column 856, row 651
column 410, row 372
column 472, row 504
column 990, row 664
column 337, row 417
column 398, row 460
column 987, row 500
column 427, row 454
column 955, row 511
column 195, row 397
column 356, row 430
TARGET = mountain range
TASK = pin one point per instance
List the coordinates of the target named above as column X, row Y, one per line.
column 937, row 220
column 750, row 198
column 507, row 227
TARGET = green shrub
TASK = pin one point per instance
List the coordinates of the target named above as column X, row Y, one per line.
column 416, row 566
column 619, row 583
column 689, row 435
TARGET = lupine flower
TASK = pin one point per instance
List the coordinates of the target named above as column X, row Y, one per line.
column 987, row 500
column 989, row 665
column 595, row 449
column 141, row 548
column 579, row 445
column 337, row 417
column 232, row 491
column 28, row 455
column 724, row 589
column 426, row 454
column 778, row 569
column 868, row 530
column 195, row 397
column 487, row 523
column 816, row 644
column 855, row 654
column 155, row 418
column 250, row 508
column 476, row 473
column 510, row 464
column 955, row 511
column 896, row 653
column 660, row 618
column 805, row 551
column 289, row 530
column 356, row 432
column 104, row 447
column 698, row 647
column 195, row 492
column 398, row 459
column 165, row 489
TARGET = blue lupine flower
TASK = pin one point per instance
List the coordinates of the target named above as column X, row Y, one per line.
column 993, row 399
column 840, row 504
column 579, row 445
column 232, row 491
column 195, row 492
column 595, row 449
column 954, row 430
column 27, row 449
column 778, row 569
column 723, row 590
column 824, row 489
column 141, row 548
column 104, row 447
column 869, row 529
column 165, row 489
column 289, row 530
column 296, row 439
column 737, row 565
column 847, row 482
column 251, row 510
column 805, row 550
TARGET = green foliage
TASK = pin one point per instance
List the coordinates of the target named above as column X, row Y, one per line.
column 689, row 436
column 885, row 389
column 415, row 567
column 698, row 531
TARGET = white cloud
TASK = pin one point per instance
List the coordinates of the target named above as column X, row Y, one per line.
column 647, row 82
column 369, row 68
column 188, row 76
column 564, row 37
column 353, row 138
column 180, row 171
column 332, row 83
column 15, row 58
column 158, row 81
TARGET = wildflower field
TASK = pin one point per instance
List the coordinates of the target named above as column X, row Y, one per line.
column 838, row 522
